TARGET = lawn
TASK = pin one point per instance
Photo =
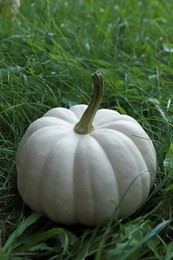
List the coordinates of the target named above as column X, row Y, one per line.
column 47, row 56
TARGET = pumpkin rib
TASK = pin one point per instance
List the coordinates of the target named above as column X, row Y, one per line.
column 116, row 179
column 59, row 122
column 110, row 131
column 95, row 201
column 37, row 125
column 64, row 114
column 74, row 173
column 95, row 209
column 134, row 138
column 47, row 161
column 77, row 154
column 106, row 155
column 26, row 138
column 28, row 146
column 111, row 125
column 101, row 122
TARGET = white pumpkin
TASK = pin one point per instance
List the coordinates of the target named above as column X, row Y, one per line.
column 84, row 172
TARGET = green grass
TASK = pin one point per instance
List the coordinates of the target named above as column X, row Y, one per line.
column 47, row 57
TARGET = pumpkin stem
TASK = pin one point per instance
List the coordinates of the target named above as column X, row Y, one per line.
column 84, row 126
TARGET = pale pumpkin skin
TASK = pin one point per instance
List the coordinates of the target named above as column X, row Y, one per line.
column 85, row 178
